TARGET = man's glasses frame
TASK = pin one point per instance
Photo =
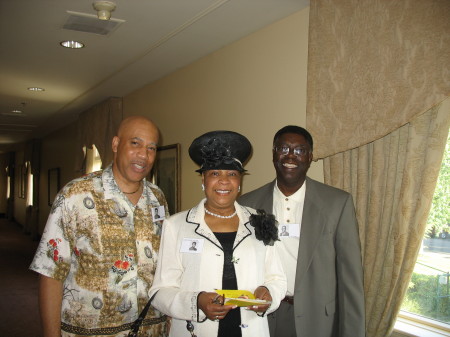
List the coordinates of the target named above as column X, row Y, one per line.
column 298, row 151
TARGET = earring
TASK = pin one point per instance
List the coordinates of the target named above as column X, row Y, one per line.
column 203, row 187
column 239, row 188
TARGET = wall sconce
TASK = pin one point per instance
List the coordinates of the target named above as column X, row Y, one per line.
column 104, row 9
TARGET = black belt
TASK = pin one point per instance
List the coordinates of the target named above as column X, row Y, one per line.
column 288, row 299
column 109, row 330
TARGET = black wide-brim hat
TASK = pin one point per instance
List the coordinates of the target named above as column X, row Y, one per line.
column 220, row 150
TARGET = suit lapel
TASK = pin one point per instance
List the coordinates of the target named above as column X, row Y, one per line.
column 196, row 214
column 267, row 198
column 311, row 231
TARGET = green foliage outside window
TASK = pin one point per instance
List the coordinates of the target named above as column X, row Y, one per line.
column 429, row 289
column 428, row 295
column 439, row 217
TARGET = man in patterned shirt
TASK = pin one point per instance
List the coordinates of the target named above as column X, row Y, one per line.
column 98, row 252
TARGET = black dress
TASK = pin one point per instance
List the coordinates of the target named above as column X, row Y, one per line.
column 230, row 325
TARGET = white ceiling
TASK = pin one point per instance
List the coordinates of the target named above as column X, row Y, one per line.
column 156, row 38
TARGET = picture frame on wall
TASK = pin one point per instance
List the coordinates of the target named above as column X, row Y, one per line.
column 53, row 184
column 166, row 175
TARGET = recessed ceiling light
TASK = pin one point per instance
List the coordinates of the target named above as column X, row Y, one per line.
column 36, row 89
column 14, row 113
column 72, row 44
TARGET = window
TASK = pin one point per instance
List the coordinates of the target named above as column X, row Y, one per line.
column 427, row 300
column 8, row 183
column 93, row 160
column 29, row 184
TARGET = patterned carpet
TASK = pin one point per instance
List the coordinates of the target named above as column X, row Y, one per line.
column 19, row 315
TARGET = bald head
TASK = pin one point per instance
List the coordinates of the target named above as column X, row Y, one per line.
column 134, row 149
column 131, row 123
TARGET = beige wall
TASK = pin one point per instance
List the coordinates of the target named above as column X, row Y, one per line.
column 254, row 86
column 58, row 150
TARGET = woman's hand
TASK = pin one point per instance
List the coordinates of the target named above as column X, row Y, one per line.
column 212, row 305
column 261, row 293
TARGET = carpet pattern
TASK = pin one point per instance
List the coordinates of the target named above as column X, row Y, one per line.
column 19, row 313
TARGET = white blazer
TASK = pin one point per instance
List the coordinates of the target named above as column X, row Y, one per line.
column 182, row 274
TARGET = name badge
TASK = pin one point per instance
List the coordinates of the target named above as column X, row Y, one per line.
column 192, row 246
column 291, row 230
column 158, row 213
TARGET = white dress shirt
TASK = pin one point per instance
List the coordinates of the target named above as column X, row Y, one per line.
column 288, row 211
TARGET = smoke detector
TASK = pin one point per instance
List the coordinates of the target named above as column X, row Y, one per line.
column 104, row 9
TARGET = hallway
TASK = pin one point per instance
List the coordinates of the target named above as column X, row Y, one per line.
column 19, row 315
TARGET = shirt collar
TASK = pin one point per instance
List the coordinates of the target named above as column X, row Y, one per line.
column 111, row 188
column 298, row 196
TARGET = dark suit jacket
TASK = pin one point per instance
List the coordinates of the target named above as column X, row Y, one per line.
column 329, row 294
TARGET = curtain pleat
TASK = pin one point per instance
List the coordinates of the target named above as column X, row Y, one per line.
column 97, row 126
column 392, row 181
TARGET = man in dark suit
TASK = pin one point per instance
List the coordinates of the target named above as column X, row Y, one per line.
column 325, row 296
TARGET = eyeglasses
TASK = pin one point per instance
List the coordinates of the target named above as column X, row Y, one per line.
column 298, row 151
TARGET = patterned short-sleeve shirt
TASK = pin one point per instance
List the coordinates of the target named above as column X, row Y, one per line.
column 104, row 250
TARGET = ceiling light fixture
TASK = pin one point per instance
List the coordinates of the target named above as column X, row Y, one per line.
column 72, row 44
column 104, row 9
column 36, row 89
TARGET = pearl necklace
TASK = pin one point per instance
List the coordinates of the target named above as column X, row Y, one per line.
column 220, row 216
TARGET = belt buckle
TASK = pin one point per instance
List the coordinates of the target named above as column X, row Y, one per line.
column 288, row 299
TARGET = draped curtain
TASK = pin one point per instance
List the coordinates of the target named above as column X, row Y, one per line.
column 392, row 181
column 377, row 72
column 372, row 66
column 97, row 126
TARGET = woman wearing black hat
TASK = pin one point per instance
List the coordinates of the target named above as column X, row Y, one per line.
column 236, row 249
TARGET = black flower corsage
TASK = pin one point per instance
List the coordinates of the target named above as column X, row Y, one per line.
column 215, row 153
column 265, row 227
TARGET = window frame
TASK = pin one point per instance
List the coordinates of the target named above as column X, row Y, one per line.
column 409, row 324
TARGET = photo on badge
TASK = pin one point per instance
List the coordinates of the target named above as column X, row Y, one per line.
column 158, row 213
column 193, row 246
column 289, row 230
